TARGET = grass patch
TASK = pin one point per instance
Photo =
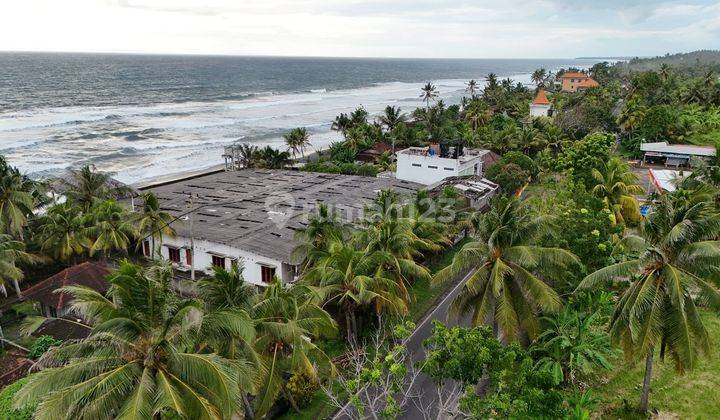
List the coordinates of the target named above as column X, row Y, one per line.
column 689, row 396
column 425, row 293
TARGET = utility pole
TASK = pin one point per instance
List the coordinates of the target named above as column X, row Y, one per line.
column 192, row 241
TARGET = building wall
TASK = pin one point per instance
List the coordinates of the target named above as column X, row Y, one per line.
column 570, row 84
column 539, row 110
column 204, row 251
column 431, row 169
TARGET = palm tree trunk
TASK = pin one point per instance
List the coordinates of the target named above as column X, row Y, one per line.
column 291, row 399
column 645, row 397
column 17, row 288
column 348, row 327
column 248, row 408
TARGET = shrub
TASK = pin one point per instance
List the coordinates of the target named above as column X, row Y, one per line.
column 7, row 398
column 522, row 160
column 41, row 345
column 510, row 177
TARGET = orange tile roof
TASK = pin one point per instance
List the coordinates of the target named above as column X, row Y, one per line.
column 541, row 98
column 573, row 74
column 587, row 83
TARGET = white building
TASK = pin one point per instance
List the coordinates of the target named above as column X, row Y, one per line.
column 540, row 106
column 427, row 165
column 251, row 216
column 662, row 180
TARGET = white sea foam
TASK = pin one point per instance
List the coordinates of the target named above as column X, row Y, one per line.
column 141, row 142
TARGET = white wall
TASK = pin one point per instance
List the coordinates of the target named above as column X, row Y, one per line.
column 431, row 169
column 203, row 259
column 539, row 110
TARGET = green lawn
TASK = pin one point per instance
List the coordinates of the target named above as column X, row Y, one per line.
column 690, row 396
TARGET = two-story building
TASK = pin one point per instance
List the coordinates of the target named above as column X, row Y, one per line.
column 428, row 165
column 573, row 81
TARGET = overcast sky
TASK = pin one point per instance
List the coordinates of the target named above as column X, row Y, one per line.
column 378, row 28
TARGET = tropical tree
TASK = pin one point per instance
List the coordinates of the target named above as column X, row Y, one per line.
column 616, row 185
column 62, row 232
column 341, row 123
column 141, row 359
column 110, row 228
column 667, row 278
column 504, row 288
column 571, row 346
column 12, row 253
column 538, row 77
column 471, row 88
column 154, row 223
column 229, row 325
column 392, row 117
column 248, row 155
column 288, row 319
column 17, row 199
column 323, row 229
column 346, row 277
column 84, row 186
column 297, row 140
column 429, row 93
column 271, row 158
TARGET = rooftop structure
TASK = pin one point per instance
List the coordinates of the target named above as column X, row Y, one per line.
column 540, row 106
column 252, row 215
column 666, row 180
column 477, row 190
column 575, row 81
column 54, row 304
column 428, row 165
column 674, row 154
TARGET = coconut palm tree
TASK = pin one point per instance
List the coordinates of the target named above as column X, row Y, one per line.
column 346, row 277
column 297, row 140
column 12, row 253
column 271, row 158
column 314, row 240
column 61, row 233
column 471, row 88
column 110, row 228
column 392, row 117
column 229, row 326
column 17, row 200
column 154, row 223
column 85, row 186
column 429, row 93
column 667, row 278
column 505, row 289
column 141, row 360
column 341, row 123
column 248, row 155
column 616, row 185
column 664, row 72
column 538, row 77
column 288, row 319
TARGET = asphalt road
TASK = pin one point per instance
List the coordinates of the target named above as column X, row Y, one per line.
column 423, row 385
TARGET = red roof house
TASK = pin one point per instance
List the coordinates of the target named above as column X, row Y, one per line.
column 89, row 274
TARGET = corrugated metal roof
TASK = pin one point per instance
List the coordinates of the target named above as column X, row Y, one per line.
column 259, row 210
column 681, row 149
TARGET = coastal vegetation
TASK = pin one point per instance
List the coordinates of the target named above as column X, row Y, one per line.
column 579, row 304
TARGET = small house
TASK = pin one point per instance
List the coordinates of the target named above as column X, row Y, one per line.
column 540, row 106
column 573, row 81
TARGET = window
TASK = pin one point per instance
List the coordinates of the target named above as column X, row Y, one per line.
column 449, row 169
column 417, row 165
column 174, row 255
column 146, row 248
column 218, row 261
column 267, row 273
column 432, row 167
column 188, row 256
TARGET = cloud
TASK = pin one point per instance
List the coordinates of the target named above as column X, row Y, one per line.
column 405, row 28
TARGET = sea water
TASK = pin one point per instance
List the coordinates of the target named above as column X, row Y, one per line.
column 143, row 116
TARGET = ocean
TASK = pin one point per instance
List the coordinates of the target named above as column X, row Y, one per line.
column 144, row 116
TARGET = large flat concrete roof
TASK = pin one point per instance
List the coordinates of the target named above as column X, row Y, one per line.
column 259, row 210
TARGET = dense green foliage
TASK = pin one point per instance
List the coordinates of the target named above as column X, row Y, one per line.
column 41, row 345
column 7, row 399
